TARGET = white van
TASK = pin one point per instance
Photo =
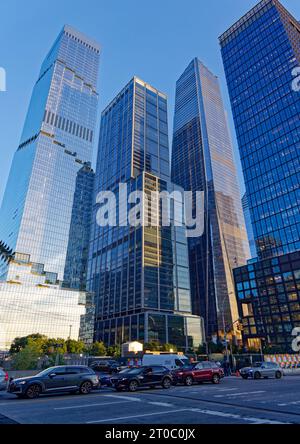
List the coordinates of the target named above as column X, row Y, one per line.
column 172, row 361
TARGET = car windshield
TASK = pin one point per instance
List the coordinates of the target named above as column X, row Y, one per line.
column 46, row 371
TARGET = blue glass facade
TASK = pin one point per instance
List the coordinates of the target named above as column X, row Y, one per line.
column 57, row 140
column 139, row 274
column 259, row 53
column 269, row 300
column 77, row 255
column 202, row 160
column 249, row 228
column 36, row 212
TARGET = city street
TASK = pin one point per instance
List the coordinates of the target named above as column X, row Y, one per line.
column 234, row 401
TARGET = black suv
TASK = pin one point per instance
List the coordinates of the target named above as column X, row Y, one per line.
column 133, row 378
column 56, row 380
column 108, row 366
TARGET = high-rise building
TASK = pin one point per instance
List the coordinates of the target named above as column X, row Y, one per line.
column 35, row 216
column 77, row 254
column 268, row 300
column 249, row 228
column 139, row 273
column 260, row 52
column 202, row 160
column 57, row 140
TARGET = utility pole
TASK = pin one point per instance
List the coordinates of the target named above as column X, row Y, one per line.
column 70, row 331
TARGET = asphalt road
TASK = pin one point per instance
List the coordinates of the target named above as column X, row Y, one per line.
column 234, row 401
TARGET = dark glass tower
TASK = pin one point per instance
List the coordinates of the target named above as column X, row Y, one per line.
column 202, row 160
column 77, row 254
column 260, row 52
column 249, row 228
column 139, row 274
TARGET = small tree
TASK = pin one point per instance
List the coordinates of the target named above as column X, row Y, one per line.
column 114, row 350
column 169, row 347
column 20, row 343
column 152, row 346
column 75, row 347
column 28, row 357
column 97, row 349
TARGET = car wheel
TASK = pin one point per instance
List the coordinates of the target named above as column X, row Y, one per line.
column 278, row 375
column 245, row 376
column 33, row 391
column 85, row 388
column 166, row 383
column 216, row 379
column 257, row 375
column 188, row 381
column 133, row 385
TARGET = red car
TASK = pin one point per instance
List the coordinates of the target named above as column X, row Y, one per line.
column 199, row 372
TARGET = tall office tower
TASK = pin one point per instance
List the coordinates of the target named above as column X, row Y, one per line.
column 36, row 211
column 249, row 228
column 77, row 254
column 139, row 273
column 202, row 160
column 57, row 140
column 260, row 52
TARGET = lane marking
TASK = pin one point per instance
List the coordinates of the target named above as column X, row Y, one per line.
column 239, row 394
column 138, row 416
column 228, row 390
column 161, row 404
column 82, row 406
column 122, row 397
column 233, row 416
column 289, row 403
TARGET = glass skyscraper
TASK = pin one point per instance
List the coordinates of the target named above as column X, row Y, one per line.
column 202, row 160
column 249, row 228
column 139, row 274
column 77, row 254
column 35, row 216
column 260, row 52
column 57, row 140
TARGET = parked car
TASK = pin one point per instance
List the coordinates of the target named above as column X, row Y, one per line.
column 3, row 379
column 199, row 372
column 170, row 360
column 133, row 378
column 105, row 379
column 56, row 380
column 106, row 366
column 262, row 370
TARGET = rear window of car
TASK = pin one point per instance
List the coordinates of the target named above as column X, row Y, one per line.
column 2, row 373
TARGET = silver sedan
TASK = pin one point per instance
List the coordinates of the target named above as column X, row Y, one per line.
column 262, row 370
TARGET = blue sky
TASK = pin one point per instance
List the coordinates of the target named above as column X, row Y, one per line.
column 153, row 39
